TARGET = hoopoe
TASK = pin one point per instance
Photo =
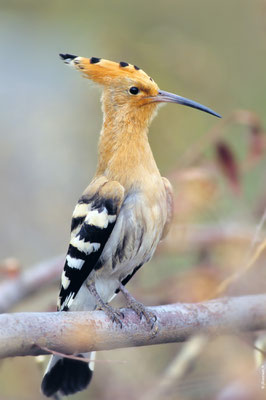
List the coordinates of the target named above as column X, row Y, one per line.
column 123, row 213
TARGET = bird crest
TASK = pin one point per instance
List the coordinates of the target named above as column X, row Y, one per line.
column 105, row 72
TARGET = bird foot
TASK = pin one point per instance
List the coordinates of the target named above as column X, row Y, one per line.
column 114, row 314
column 140, row 309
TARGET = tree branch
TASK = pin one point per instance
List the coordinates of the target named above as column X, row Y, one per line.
column 12, row 291
column 29, row 281
column 24, row 334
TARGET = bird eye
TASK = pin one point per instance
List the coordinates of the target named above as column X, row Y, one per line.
column 133, row 90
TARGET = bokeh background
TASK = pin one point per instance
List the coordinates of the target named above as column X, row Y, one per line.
column 211, row 51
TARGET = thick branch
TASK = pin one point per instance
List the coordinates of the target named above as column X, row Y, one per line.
column 24, row 334
column 12, row 291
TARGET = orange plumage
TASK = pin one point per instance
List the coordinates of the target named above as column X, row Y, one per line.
column 124, row 212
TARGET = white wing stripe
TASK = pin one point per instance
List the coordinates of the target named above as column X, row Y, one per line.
column 96, row 218
column 74, row 262
column 68, row 301
column 81, row 210
column 99, row 219
column 64, row 280
column 85, row 247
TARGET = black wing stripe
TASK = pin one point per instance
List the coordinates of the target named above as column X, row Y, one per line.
column 76, row 222
column 76, row 253
column 87, row 245
column 91, row 233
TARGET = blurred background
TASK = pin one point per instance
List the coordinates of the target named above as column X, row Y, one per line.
column 210, row 51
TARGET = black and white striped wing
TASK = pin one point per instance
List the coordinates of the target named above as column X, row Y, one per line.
column 93, row 221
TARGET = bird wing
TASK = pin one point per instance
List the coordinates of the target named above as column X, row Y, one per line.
column 93, row 220
column 170, row 206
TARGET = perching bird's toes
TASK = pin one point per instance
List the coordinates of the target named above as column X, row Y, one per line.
column 139, row 308
column 142, row 311
column 114, row 314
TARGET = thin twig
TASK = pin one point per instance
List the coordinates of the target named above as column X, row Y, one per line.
column 236, row 275
column 84, row 359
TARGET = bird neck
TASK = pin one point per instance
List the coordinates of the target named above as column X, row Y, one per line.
column 124, row 151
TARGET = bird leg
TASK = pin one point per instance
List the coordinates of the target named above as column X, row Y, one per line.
column 139, row 308
column 113, row 314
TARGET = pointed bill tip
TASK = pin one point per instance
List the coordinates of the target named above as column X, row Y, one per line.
column 215, row 114
column 174, row 98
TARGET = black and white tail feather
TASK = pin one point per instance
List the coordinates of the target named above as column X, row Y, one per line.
column 92, row 223
column 65, row 376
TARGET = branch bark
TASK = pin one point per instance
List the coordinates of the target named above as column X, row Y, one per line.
column 24, row 334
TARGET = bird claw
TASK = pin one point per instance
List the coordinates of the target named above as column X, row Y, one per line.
column 141, row 311
column 113, row 314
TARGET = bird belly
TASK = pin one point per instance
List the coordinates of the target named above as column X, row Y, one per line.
column 133, row 241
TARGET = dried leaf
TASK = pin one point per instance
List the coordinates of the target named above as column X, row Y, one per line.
column 227, row 162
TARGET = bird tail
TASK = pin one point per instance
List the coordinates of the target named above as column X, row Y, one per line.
column 65, row 376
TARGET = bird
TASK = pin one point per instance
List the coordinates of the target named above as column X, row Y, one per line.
column 121, row 216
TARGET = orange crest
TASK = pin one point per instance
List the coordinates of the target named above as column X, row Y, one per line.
column 105, row 72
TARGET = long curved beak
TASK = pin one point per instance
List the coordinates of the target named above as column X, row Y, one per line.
column 165, row 97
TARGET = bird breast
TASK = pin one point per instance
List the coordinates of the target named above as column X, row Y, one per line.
column 135, row 236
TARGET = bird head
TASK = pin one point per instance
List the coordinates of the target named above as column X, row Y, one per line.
column 128, row 92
